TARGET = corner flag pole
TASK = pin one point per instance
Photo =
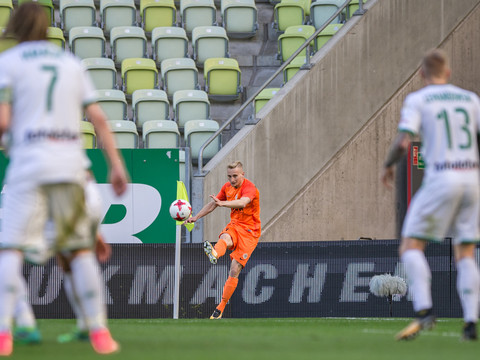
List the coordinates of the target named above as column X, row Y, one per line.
column 176, row 294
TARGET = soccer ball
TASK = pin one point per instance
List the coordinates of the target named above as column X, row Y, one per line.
column 180, row 210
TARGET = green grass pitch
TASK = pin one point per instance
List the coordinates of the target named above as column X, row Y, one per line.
column 249, row 339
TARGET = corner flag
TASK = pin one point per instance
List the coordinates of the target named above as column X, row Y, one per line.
column 182, row 194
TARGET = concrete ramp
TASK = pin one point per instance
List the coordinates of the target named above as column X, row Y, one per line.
column 317, row 151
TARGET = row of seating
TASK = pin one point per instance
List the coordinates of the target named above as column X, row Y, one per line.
column 158, row 134
column 238, row 17
column 130, row 41
column 299, row 12
column 222, row 76
column 154, row 105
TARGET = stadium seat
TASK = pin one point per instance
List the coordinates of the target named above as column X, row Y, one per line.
column 352, row 7
column 117, row 13
column 160, row 134
column 113, row 103
column 325, row 35
column 195, row 13
column 222, row 79
column 293, row 38
column 75, row 13
column 178, row 74
column 322, row 10
column 6, row 42
column 88, row 134
column 292, row 68
column 288, row 13
column 47, row 4
column 239, row 18
column 102, row 71
column 168, row 43
column 208, row 42
column 149, row 105
column 190, row 105
column 138, row 73
column 262, row 98
column 55, row 35
column 157, row 13
column 127, row 42
column 6, row 8
column 87, row 42
column 196, row 133
column 125, row 133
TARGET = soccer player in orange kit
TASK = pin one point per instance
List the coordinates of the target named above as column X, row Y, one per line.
column 241, row 234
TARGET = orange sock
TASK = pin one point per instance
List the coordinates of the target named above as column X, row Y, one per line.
column 220, row 247
column 228, row 290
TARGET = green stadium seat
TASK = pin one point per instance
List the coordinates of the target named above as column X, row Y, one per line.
column 293, row 38
column 160, row 134
column 157, row 13
column 113, row 103
column 6, row 42
column 222, row 79
column 352, row 7
column 149, row 105
column 196, row 133
column 289, row 13
column 88, row 133
column 87, row 42
column 55, row 35
column 137, row 74
column 6, row 8
column 47, row 4
column 127, row 42
column 322, row 10
column 292, row 68
column 102, row 71
column 325, row 35
column 190, row 105
column 117, row 13
column 263, row 97
column 195, row 13
column 75, row 13
column 239, row 18
column 125, row 133
column 178, row 74
column 208, row 42
column 168, row 43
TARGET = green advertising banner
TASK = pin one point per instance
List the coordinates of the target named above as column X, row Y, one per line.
column 140, row 215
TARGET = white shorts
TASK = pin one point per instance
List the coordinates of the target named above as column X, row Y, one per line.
column 441, row 210
column 26, row 211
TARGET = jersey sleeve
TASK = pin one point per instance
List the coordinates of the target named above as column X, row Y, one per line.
column 410, row 118
column 477, row 112
column 249, row 191
column 88, row 89
column 222, row 195
column 5, row 80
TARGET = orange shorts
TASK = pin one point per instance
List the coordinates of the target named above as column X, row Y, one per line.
column 243, row 242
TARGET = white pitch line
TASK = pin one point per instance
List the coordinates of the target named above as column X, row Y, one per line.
column 423, row 333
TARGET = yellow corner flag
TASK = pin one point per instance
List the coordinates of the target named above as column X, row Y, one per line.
column 182, row 194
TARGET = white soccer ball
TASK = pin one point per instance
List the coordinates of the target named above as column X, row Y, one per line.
column 180, row 210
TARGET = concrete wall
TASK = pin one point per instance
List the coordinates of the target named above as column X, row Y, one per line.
column 316, row 152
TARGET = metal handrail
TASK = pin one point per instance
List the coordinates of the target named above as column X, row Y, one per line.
column 360, row 11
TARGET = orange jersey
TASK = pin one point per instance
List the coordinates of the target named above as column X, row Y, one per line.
column 249, row 216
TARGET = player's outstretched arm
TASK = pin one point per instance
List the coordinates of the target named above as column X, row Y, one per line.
column 397, row 150
column 207, row 209
column 232, row 204
column 118, row 174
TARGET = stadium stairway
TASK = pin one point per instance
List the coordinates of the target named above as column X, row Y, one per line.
column 317, row 151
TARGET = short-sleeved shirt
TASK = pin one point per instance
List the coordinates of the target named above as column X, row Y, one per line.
column 249, row 216
column 47, row 89
column 448, row 120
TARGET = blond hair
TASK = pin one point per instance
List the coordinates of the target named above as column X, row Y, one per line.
column 28, row 23
column 435, row 63
column 235, row 164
